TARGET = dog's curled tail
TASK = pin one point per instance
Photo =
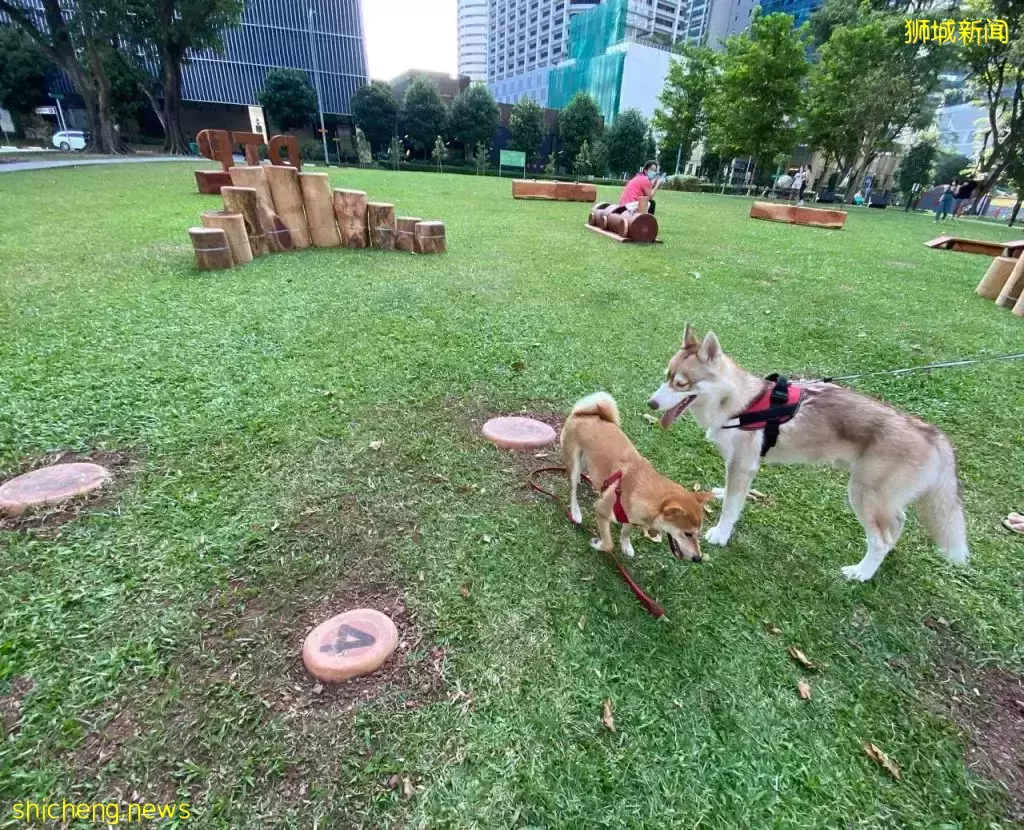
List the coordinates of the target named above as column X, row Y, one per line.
column 941, row 509
column 600, row 404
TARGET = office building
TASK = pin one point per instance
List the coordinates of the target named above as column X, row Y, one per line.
column 612, row 57
column 472, row 38
column 958, row 127
column 276, row 33
column 799, row 10
column 724, row 18
column 448, row 86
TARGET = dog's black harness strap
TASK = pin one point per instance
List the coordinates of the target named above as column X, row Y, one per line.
column 769, row 411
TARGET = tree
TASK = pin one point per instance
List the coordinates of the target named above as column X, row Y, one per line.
column 23, row 70
column 126, row 92
column 375, row 109
column 583, row 163
column 868, row 53
column 396, row 151
column 996, row 79
column 950, row 166
column 74, row 36
column 626, row 139
column 681, row 117
column 288, row 98
column 363, row 151
column 440, row 153
column 423, row 113
column 580, row 121
column 754, row 108
column 1015, row 175
column 650, row 146
column 482, row 151
column 526, row 125
column 166, row 31
column 599, row 157
column 915, row 168
column 473, row 117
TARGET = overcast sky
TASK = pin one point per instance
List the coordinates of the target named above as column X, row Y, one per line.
column 409, row 34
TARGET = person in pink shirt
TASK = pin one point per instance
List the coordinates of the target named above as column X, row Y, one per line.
column 640, row 187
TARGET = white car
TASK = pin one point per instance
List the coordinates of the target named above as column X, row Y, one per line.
column 69, row 140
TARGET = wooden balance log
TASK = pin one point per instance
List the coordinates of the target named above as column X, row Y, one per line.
column 1013, row 288
column 380, row 219
column 284, row 187
column 586, row 192
column 636, row 227
column 597, row 217
column 406, row 233
column 245, row 201
column 429, row 238
column 798, row 215
column 995, row 277
column 350, row 212
column 532, row 189
column 233, row 225
column 211, row 248
column 319, row 206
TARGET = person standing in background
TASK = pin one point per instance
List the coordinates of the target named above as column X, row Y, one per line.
column 946, row 201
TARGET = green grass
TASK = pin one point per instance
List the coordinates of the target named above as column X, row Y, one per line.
column 248, row 400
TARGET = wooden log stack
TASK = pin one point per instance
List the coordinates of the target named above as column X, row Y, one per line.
column 406, row 239
column 245, row 201
column 233, row 225
column 380, row 218
column 430, row 238
column 350, row 211
column 284, row 187
column 211, row 248
column 319, row 206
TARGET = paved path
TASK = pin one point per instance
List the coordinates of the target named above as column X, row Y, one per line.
column 42, row 164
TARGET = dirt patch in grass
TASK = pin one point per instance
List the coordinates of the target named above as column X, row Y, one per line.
column 100, row 746
column 10, row 703
column 988, row 705
column 46, row 521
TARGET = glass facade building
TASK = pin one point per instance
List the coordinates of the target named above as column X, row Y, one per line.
column 799, row 10
column 275, row 34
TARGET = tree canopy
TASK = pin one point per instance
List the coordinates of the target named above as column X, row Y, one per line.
column 526, row 125
column 288, row 98
column 375, row 109
column 423, row 113
column 580, row 121
column 627, row 142
column 473, row 117
column 23, row 70
column 681, row 116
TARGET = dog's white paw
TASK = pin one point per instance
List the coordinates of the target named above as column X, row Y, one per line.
column 627, row 548
column 855, row 573
column 718, row 492
column 717, row 535
column 576, row 514
column 595, row 543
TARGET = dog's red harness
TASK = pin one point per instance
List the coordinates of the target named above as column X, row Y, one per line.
column 776, row 405
column 617, row 509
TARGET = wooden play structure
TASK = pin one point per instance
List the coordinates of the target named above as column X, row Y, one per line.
column 554, row 191
column 620, row 223
column 1004, row 283
column 799, row 215
column 272, row 208
column 977, row 246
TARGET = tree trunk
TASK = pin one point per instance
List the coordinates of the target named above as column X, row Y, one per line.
column 107, row 140
column 170, row 75
column 1013, row 214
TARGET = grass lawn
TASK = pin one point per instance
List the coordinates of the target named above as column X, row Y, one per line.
column 149, row 642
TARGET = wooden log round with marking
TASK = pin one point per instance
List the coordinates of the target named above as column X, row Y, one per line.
column 380, row 220
column 319, row 205
column 406, row 239
column 642, row 227
column 211, row 248
column 233, row 224
column 350, row 212
column 616, row 220
column 595, row 213
column 995, row 277
column 1013, row 288
column 284, row 186
column 602, row 217
column 245, row 200
column 430, row 238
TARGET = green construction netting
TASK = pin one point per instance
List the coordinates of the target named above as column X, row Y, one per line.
column 591, row 68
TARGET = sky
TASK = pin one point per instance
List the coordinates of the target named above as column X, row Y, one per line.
column 409, row 34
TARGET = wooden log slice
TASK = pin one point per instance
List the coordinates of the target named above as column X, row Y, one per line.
column 380, row 221
column 642, row 228
column 430, row 238
column 245, row 200
column 350, row 211
column 995, row 277
column 284, row 186
column 406, row 238
column 319, row 206
column 595, row 213
column 211, row 248
column 233, row 224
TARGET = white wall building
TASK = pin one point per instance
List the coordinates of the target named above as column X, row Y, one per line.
column 958, row 126
column 472, row 38
column 726, row 18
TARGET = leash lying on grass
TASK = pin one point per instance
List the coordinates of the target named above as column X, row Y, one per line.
column 968, row 362
column 652, row 607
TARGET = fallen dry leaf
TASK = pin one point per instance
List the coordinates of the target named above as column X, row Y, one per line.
column 801, row 658
column 678, row 703
column 541, row 455
column 376, row 445
column 583, row 623
column 407, row 788
column 465, row 589
column 804, row 688
column 488, row 538
column 392, row 782
column 883, row 760
column 650, row 418
column 772, row 629
column 606, row 716
column 756, row 495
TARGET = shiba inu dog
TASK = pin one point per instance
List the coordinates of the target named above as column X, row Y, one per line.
column 630, row 490
column 894, row 459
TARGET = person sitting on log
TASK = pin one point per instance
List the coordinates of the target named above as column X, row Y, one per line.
column 641, row 187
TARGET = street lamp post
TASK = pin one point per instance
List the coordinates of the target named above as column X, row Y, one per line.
column 316, row 81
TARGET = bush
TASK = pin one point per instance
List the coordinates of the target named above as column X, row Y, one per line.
column 688, row 184
column 312, row 150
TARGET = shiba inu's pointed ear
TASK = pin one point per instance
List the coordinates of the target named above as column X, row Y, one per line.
column 710, row 349
column 703, row 497
column 690, row 340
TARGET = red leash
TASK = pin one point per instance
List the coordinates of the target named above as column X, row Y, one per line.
column 652, row 607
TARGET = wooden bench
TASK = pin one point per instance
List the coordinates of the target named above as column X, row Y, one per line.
column 977, row 246
column 798, row 215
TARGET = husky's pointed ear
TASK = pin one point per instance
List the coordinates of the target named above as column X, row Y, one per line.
column 690, row 340
column 710, row 349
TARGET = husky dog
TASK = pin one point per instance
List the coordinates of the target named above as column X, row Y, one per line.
column 632, row 492
column 894, row 459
